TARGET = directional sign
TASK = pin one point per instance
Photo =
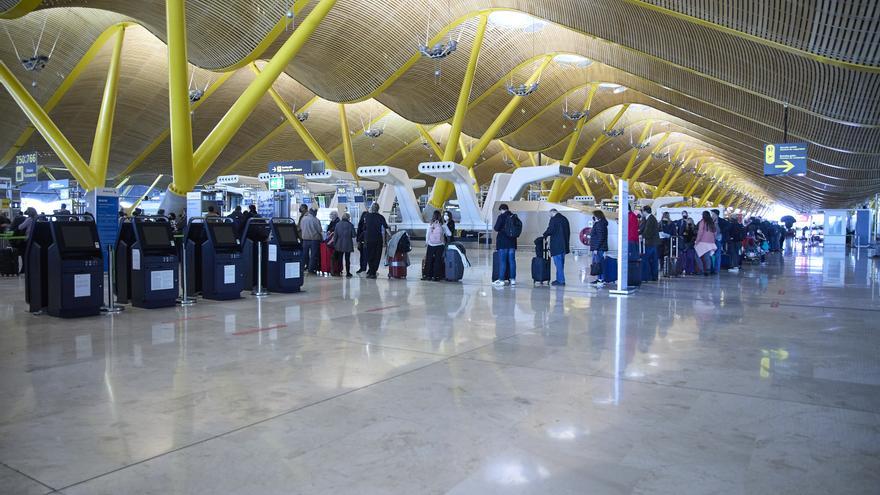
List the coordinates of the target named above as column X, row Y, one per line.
column 785, row 159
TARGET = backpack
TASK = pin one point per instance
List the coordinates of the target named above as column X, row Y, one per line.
column 513, row 226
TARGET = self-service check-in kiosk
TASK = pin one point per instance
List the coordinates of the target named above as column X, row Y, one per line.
column 64, row 271
column 214, row 258
column 284, row 257
column 254, row 237
column 146, row 263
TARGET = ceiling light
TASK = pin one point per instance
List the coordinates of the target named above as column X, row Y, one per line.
column 516, row 20
column 572, row 59
column 609, row 85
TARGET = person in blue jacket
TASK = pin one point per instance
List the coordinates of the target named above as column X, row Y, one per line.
column 559, row 232
column 506, row 247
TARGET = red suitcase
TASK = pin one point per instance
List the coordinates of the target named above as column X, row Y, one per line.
column 397, row 266
column 326, row 259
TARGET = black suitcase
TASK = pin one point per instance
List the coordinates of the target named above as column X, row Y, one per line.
column 541, row 262
column 495, row 266
column 8, row 262
column 634, row 273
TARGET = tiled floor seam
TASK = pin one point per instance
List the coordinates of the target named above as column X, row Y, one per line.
column 35, row 480
column 695, row 389
column 284, row 413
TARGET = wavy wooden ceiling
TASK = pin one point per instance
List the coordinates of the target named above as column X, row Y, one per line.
column 717, row 72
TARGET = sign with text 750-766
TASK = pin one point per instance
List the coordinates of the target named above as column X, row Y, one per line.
column 785, row 159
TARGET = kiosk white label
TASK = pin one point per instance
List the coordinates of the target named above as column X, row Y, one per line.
column 135, row 259
column 228, row 274
column 82, row 285
column 161, row 279
column 273, row 252
column 291, row 270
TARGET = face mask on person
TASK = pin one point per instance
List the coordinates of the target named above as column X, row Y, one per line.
column 552, row 213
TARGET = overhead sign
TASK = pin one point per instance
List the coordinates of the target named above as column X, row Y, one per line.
column 104, row 205
column 26, row 167
column 276, row 183
column 785, row 159
column 298, row 167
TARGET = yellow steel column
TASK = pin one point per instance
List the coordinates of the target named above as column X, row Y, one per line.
column 667, row 180
column 300, row 129
column 142, row 196
column 180, row 128
column 586, row 184
column 635, row 153
column 439, row 197
column 580, row 188
column 557, row 193
column 46, row 127
column 709, row 190
column 648, row 159
column 509, row 153
column 427, row 137
column 223, row 132
column 104, row 129
column 20, row 8
column 347, row 149
column 442, row 188
column 575, row 136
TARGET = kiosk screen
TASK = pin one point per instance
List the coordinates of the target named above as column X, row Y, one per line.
column 156, row 235
column 286, row 233
column 77, row 235
column 224, row 234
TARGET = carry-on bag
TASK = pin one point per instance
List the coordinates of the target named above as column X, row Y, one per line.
column 454, row 264
column 8, row 262
column 541, row 262
column 397, row 266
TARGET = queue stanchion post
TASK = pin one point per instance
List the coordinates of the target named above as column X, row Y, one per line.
column 184, row 299
column 111, row 308
column 258, row 291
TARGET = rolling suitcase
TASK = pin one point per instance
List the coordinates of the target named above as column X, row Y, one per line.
column 454, row 266
column 609, row 269
column 397, row 266
column 541, row 262
column 8, row 262
column 496, row 268
column 326, row 259
column 634, row 273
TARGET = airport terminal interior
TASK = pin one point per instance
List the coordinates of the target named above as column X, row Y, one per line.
column 440, row 246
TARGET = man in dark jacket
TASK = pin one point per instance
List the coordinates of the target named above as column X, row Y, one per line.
column 650, row 232
column 735, row 235
column 506, row 247
column 559, row 232
column 720, row 238
column 599, row 243
column 373, row 235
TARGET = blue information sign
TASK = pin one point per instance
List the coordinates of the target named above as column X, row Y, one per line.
column 785, row 159
column 298, row 167
column 26, row 167
column 106, row 211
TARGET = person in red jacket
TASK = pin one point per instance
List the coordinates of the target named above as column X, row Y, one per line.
column 632, row 236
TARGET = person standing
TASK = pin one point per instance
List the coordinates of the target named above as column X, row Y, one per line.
column 237, row 219
column 312, row 235
column 375, row 228
column 651, row 233
column 343, row 243
column 667, row 233
column 735, row 236
column 435, row 247
column 63, row 210
column 450, row 226
column 632, row 235
column 599, row 243
column 334, row 219
column 558, row 230
column 505, row 243
column 720, row 238
column 360, row 244
column 705, row 243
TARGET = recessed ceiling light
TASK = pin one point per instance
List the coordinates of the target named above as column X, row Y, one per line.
column 516, row 20
column 572, row 59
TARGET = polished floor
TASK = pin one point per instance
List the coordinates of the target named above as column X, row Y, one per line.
column 763, row 382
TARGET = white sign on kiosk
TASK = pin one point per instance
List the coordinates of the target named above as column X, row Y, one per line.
column 623, row 244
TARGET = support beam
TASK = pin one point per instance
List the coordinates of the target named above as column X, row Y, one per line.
column 667, row 181
column 635, row 153
column 710, row 188
column 104, row 130
column 142, row 196
column 580, row 189
column 440, row 196
column 347, row 149
column 430, row 140
column 586, row 183
column 575, row 136
column 509, row 153
column 20, row 8
column 180, row 128
column 300, row 129
column 46, row 127
column 648, row 159
column 560, row 191
column 224, row 131
column 442, row 188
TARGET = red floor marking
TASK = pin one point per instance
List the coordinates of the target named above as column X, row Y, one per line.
column 380, row 309
column 774, row 304
column 258, row 330
column 315, row 300
column 190, row 318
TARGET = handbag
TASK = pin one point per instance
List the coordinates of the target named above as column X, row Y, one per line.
column 596, row 266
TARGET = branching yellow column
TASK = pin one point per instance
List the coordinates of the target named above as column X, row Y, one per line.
column 180, row 128
column 442, row 188
column 347, row 149
column 586, row 184
column 440, row 195
column 667, row 181
column 635, row 153
column 430, row 140
column 104, row 130
column 224, row 131
column 575, row 137
column 559, row 192
column 709, row 190
column 46, row 127
column 648, row 159
column 509, row 153
column 20, row 8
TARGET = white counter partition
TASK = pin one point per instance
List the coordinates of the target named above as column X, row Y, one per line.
column 402, row 187
column 471, row 218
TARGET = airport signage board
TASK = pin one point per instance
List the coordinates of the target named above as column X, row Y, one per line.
column 26, row 167
column 276, row 183
column 785, row 159
column 298, row 167
column 104, row 203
